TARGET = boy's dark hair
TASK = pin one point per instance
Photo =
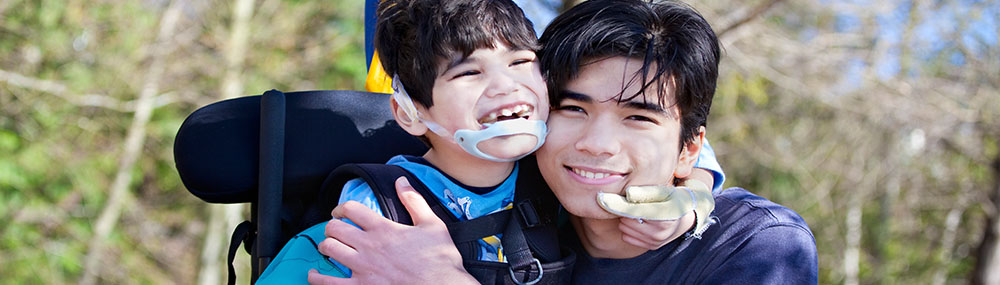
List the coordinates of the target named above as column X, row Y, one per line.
column 669, row 39
column 411, row 36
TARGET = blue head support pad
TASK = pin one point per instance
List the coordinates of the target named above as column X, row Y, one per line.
column 470, row 139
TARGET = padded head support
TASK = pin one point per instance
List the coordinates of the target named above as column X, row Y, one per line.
column 217, row 147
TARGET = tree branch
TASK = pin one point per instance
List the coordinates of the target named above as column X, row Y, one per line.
column 132, row 147
column 82, row 100
column 755, row 13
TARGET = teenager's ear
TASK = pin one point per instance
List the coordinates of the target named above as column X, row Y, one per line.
column 406, row 120
column 689, row 154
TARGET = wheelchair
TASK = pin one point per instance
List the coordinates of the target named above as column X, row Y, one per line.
column 274, row 151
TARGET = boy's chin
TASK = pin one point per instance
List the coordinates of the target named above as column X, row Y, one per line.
column 507, row 147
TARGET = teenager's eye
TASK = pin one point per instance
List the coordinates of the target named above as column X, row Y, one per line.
column 570, row 108
column 641, row 119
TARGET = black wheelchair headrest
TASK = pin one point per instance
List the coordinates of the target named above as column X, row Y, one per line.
column 216, row 150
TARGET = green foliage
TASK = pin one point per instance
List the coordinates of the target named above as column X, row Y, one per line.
column 59, row 153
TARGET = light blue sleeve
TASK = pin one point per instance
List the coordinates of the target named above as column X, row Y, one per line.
column 359, row 191
column 707, row 161
column 356, row 190
column 292, row 264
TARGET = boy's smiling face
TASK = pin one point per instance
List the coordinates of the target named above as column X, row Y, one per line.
column 488, row 86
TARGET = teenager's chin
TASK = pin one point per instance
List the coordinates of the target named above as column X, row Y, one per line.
column 588, row 211
column 507, row 147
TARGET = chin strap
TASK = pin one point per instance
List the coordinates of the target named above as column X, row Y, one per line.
column 663, row 203
column 469, row 139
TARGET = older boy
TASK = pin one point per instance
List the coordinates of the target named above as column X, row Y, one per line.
column 632, row 83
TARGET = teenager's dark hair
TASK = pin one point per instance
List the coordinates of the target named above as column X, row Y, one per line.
column 669, row 39
column 411, row 36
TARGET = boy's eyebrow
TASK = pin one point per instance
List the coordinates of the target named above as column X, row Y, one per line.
column 457, row 61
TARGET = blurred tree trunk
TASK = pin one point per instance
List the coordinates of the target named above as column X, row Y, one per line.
column 225, row 217
column 134, row 140
column 987, row 269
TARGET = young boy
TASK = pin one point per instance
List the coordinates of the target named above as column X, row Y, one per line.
column 465, row 80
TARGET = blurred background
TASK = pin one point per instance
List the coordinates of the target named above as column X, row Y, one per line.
column 878, row 121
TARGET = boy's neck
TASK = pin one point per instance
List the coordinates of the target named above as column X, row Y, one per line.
column 470, row 170
column 603, row 239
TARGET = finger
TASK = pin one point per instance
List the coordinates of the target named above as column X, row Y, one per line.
column 343, row 231
column 636, row 238
column 636, row 242
column 317, row 278
column 652, row 230
column 664, row 210
column 339, row 251
column 415, row 204
column 696, row 185
column 649, row 193
column 360, row 215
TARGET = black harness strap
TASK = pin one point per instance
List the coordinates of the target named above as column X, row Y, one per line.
column 244, row 232
column 539, row 210
column 529, row 235
column 381, row 178
column 478, row 228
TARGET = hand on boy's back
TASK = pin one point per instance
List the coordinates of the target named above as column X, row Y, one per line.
column 386, row 252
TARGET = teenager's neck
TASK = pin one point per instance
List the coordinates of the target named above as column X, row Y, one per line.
column 603, row 239
column 470, row 170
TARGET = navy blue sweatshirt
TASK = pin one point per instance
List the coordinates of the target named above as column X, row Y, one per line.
column 755, row 242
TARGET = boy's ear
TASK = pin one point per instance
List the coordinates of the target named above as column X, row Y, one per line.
column 689, row 155
column 409, row 122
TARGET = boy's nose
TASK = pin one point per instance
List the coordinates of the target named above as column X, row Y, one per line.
column 501, row 83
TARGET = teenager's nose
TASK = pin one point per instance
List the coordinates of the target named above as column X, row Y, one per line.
column 599, row 139
column 501, row 83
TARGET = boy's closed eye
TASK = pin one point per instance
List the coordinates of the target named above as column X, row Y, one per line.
column 521, row 61
column 466, row 73
column 522, row 57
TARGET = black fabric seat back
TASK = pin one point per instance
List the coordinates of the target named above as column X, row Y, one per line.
column 218, row 151
column 216, row 148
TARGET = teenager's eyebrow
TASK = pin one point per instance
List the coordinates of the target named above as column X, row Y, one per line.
column 646, row 106
column 566, row 94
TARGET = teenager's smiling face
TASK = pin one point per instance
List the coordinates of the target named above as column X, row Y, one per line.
column 597, row 144
column 488, row 86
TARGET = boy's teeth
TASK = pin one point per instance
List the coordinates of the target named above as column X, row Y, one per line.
column 519, row 110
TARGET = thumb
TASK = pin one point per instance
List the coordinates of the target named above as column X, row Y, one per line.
column 415, row 204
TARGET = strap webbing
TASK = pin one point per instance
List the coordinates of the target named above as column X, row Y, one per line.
column 478, row 228
column 243, row 232
column 518, row 254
